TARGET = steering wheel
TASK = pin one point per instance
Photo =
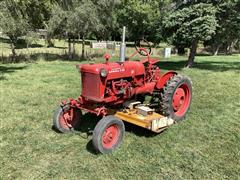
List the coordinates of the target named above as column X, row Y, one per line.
column 144, row 52
column 143, row 47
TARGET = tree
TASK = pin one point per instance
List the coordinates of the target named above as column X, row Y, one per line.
column 140, row 17
column 189, row 25
column 58, row 26
column 106, row 12
column 83, row 20
column 37, row 11
column 76, row 19
column 228, row 30
column 12, row 22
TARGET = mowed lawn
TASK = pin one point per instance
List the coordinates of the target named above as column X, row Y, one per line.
column 206, row 145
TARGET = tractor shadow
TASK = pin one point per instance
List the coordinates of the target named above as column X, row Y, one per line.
column 86, row 128
column 89, row 121
column 139, row 131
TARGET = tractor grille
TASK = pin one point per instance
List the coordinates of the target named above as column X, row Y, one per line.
column 90, row 85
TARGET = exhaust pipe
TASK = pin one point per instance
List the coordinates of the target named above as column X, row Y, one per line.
column 123, row 46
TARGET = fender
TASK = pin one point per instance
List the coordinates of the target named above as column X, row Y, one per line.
column 164, row 78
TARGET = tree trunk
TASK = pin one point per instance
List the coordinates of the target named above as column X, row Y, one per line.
column 228, row 49
column 74, row 47
column 192, row 54
column 13, row 49
column 83, row 47
column 13, row 41
column 69, row 49
column 216, row 49
column 49, row 41
column 238, row 45
column 180, row 50
column 230, row 46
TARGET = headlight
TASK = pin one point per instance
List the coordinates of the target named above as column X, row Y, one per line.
column 103, row 72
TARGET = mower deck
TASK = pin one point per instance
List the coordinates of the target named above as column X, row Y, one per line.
column 154, row 121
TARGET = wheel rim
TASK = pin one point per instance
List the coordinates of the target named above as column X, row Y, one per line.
column 181, row 100
column 110, row 136
column 68, row 118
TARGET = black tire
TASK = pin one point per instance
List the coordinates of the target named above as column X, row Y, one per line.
column 99, row 134
column 57, row 121
column 167, row 107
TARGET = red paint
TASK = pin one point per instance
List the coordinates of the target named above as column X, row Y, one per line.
column 123, row 81
column 114, row 69
column 164, row 78
column 110, row 136
column 94, row 87
column 181, row 99
column 147, row 88
column 107, row 57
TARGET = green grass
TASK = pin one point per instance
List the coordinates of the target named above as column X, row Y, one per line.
column 206, row 145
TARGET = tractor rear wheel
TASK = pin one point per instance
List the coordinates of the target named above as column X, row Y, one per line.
column 176, row 96
column 108, row 134
column 67, row 118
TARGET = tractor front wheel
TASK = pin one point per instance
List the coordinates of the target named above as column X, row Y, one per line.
column 108, row 134
column 67, row 118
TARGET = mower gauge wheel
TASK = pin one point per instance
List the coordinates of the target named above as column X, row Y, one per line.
column 108, row 134
column 143, row 43
column 66, row 118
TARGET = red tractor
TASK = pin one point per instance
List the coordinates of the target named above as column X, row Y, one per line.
column 116, row 91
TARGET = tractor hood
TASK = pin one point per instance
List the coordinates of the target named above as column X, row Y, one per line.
column 114, row 69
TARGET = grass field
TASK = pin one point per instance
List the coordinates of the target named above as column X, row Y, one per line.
column 206, row 145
